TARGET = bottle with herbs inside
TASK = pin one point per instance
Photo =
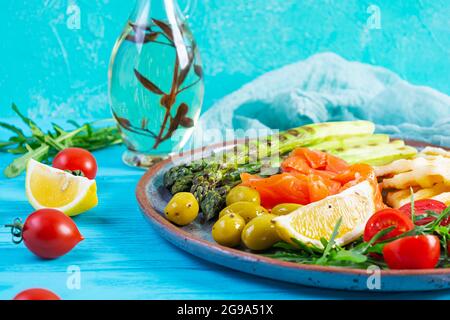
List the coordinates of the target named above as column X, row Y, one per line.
column 155, row 82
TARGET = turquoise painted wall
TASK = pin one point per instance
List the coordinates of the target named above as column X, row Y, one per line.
column 56, row 70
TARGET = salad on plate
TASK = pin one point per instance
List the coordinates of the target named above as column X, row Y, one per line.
column 333, row 194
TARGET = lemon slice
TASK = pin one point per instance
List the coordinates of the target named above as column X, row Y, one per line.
column 317, row 220
column 48, row 187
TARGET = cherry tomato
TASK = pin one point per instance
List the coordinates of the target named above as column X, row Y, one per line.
column 48, row 233
column 36, row 294
column 76, row 159
column 420, row 208
column 384, row 219
column 414, row 252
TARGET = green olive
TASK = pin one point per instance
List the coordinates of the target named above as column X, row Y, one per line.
column 247, row 210
column 260, row 233
column 182, row 209
column 241, row 193
column 285, row 208
column 228, row 229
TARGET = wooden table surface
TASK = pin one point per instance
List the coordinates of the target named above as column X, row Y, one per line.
column 123, row 258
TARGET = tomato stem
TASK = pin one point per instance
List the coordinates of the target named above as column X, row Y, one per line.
column 16, row 230
column 77, row 173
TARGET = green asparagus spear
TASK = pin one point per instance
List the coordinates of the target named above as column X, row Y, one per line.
column 254, row 150
column 179, row 178
column 214, row 201
column 211, row 186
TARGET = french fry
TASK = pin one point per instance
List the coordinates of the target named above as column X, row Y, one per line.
column 424, row 178
column 443, row 197
column 395, row 198
column 433, row 151
column 423, row 172
column 431, row 192
column 398, row 198
column 428, row 174
column 398, row 166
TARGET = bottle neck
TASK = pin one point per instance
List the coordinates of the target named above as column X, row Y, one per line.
column 145, row 10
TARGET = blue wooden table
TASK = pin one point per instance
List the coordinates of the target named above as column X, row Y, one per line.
column 123, row 258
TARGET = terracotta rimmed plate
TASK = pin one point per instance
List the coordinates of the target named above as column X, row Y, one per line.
column 196, row 239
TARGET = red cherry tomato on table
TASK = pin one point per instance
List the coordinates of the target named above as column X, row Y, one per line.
column 48, row 233
column 76, row 159
column 384, row 219
column 36, row 294
column 414, row 252
column 421, row 207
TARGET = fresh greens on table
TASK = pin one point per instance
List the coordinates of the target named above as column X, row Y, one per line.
column 42, row 146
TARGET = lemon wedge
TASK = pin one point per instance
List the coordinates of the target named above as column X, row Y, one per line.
column 48, row 187
column 317, row 220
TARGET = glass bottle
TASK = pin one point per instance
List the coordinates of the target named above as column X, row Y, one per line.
column 155, row 82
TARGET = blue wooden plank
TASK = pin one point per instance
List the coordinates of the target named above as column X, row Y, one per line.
column 123, row 258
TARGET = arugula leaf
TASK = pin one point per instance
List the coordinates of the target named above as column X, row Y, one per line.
column 6, row 144
column 311, row 249
column 35, row 130
column 444, row 214
column 364, row 247
column 12, row 128
column 349, row 255
column 284, row 245
column 42, row 146
column 330, row 243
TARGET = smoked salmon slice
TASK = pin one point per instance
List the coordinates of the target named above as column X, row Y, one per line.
column 309, row 176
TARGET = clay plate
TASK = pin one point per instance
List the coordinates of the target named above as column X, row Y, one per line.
column 196, row 239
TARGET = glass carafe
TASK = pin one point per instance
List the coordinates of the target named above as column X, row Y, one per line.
column 155, row 82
